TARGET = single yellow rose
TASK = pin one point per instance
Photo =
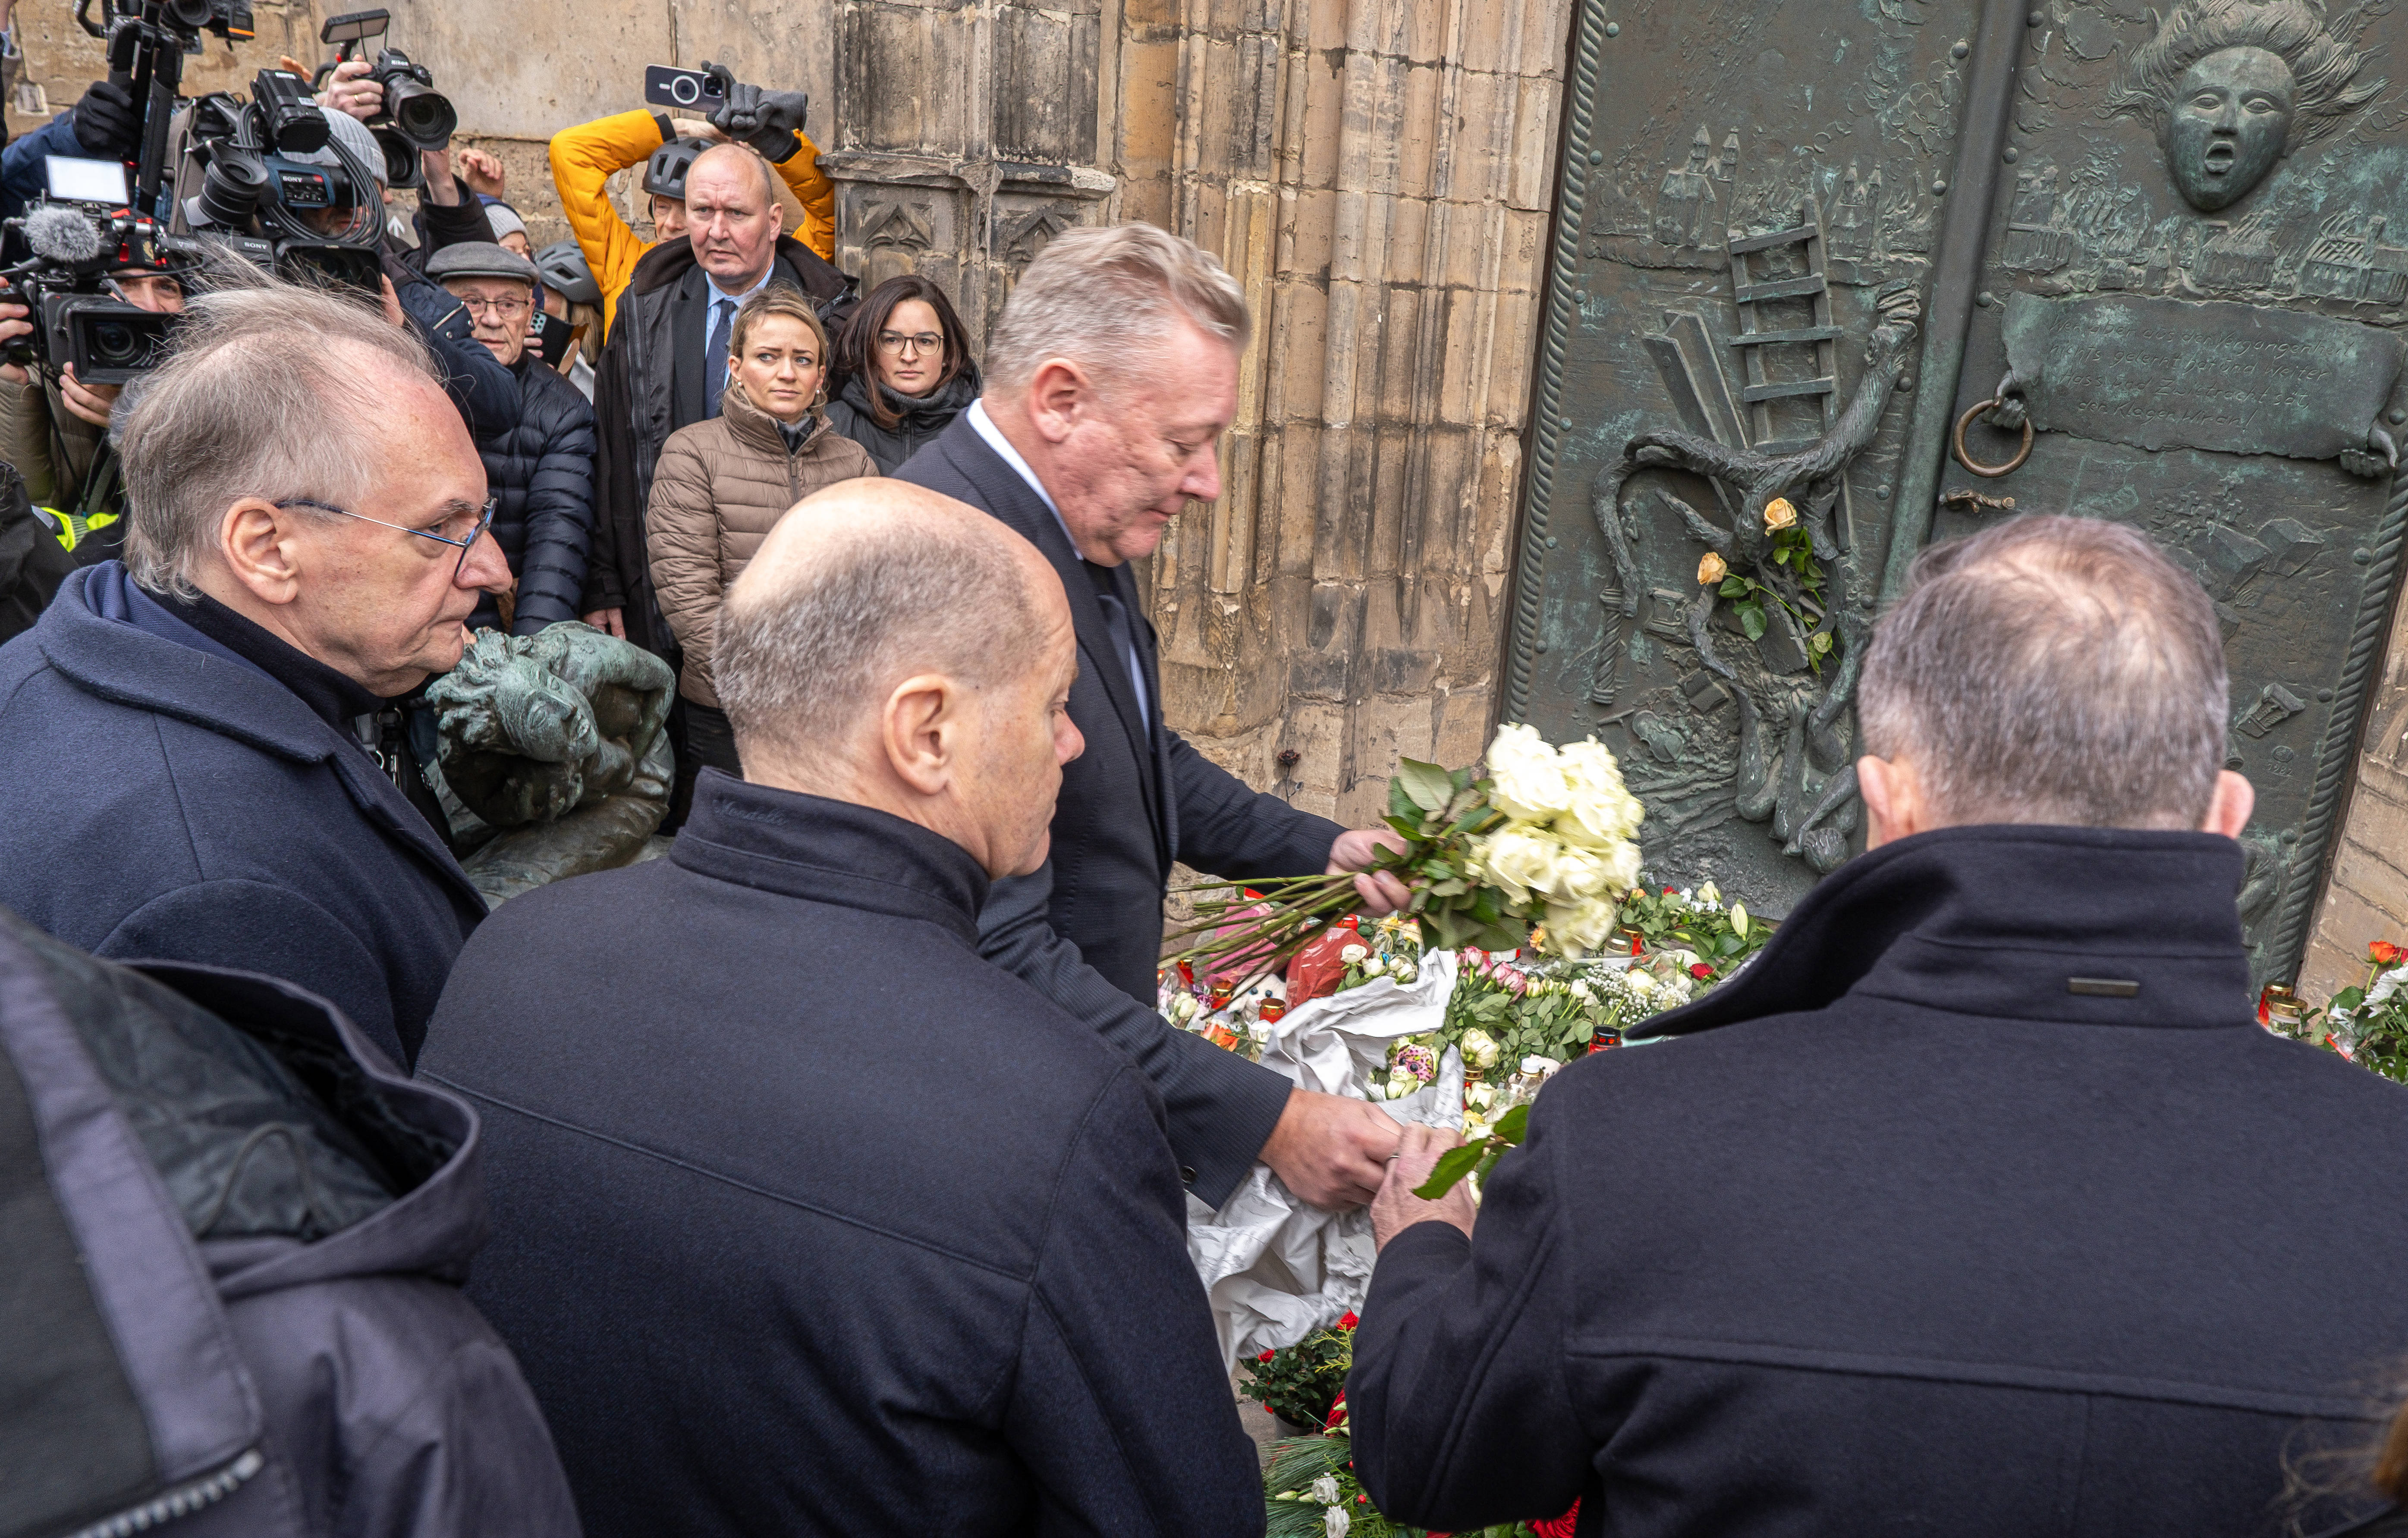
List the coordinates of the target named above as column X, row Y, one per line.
column 1779, row 515
column 1713, row 569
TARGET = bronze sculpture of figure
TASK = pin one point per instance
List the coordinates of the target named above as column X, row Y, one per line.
column 2233, row 86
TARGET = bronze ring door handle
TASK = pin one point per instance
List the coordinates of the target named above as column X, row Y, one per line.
column 1989, row 472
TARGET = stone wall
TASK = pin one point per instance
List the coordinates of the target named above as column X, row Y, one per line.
column 1377, row 173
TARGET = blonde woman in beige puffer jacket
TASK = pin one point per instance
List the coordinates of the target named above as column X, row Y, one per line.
column 724, row 483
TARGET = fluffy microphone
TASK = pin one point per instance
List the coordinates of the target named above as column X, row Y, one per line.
column 63, row 235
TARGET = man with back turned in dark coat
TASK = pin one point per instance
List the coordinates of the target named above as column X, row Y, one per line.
column 806, row 1219
column 1978, row 1204
column 1109, row 384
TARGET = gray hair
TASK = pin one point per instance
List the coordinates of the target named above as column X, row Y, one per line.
column 2052, row 670
column 798, row 656
column 274, row 391
column 1105, row 298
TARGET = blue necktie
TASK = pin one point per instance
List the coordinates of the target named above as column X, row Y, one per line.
column 714, row 355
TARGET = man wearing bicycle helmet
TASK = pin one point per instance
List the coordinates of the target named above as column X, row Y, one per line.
column 586, row 156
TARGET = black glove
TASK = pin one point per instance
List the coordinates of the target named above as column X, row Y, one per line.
column 771, row 122
column 106, row 122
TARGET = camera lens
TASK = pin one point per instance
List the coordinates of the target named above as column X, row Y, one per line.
column 116, row 344
column 685, row 90
column 425, row 116
column 232, row 187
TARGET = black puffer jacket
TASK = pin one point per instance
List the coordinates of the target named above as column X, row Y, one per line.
column 924, row 416
column 541, row 472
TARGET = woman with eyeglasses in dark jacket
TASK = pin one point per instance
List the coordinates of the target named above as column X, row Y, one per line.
column 904, row 370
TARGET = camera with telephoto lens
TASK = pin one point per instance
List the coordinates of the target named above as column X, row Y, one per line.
column 415, row 117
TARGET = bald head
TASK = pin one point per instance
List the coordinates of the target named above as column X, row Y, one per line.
column 733, row 217
column 891, row 647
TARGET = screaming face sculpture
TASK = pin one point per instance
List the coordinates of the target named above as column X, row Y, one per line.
column 2232, row 86
column 2232, row 118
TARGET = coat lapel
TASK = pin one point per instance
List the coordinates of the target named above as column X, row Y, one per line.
column 687, row 311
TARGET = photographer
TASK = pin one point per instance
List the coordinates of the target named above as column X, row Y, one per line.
column 55, row 431
column 104, row 125
column 586, row 156
column 541, row 472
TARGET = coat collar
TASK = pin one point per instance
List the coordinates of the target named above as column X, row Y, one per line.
column 755, row 428
column 2000, row 921
column 116, row 662
column 830, row 852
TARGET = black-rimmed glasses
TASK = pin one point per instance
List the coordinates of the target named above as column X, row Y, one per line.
column 485, row 521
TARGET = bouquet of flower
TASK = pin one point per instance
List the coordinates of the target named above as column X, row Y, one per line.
column 2369, row 1024
column 1545, row 836
column 1712, row 939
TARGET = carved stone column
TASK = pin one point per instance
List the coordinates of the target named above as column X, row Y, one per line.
column 966, row 138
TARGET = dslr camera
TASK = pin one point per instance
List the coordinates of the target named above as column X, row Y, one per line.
column 416, row 116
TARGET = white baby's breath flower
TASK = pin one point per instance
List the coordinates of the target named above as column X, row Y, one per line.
column 1325, row 1490
column 1528, row 781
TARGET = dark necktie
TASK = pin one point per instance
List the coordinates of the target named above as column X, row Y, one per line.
column 714, row 355
column 1116, row 619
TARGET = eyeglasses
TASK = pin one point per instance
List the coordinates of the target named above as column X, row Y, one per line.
column 892, row 343
column 506, row 308
column 465, row 542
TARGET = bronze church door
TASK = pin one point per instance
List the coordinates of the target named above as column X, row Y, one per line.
column 2144, row 257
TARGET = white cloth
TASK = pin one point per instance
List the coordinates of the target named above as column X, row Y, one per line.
column 1275, row 1269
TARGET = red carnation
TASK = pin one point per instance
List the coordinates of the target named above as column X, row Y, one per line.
column 2384, row 953
column 1701, row 970
column 1347, row 1321
column 1558, row 1527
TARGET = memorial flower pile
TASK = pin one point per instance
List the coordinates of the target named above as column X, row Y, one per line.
column 1545, row 836
column 2369, row 1024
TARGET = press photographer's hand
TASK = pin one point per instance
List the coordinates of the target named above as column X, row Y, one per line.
column 93, row 403
column 350, row 90
column 13, row 324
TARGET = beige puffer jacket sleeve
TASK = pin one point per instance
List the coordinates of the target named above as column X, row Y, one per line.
column 681, row 530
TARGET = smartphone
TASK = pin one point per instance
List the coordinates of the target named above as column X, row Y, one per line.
column 665, row 85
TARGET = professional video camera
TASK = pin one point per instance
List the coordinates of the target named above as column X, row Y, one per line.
column 416, row 116
column 274, row 182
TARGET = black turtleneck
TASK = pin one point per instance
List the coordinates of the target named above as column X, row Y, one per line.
column 331, row 697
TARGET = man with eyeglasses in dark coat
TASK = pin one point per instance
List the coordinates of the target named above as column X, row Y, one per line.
column 202, row 743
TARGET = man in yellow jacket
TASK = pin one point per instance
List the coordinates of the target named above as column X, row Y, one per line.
column 584, row 157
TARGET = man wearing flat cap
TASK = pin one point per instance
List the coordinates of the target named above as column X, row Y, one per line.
column 538, row 469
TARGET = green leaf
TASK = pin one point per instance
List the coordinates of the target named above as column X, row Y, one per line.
column 1509, row 1126
column 1734, row 587
column 1400, row 803
column 1452, row 1165
column 1820, row 642
column 1750, row 619
column 1409, row 824
column 1461, row 780
column 1452, row 887
column 1430, row 787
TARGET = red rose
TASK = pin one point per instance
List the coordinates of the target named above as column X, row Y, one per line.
column 1701, row 970
column 2384, row 953
column 1267, row 1356
column 1558, row 1527
column 1347, row 1321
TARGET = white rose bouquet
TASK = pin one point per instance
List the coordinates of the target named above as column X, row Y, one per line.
column 1546, row 836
